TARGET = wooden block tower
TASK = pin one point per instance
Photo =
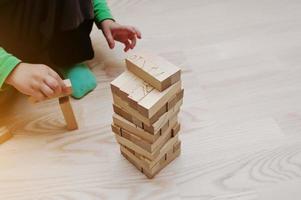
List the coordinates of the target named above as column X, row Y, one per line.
column 147, row 99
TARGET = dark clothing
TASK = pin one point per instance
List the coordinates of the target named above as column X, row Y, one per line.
column 47, row 31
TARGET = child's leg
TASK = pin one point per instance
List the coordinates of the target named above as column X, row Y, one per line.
column 82, row 79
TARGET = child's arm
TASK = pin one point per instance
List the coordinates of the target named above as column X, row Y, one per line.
column 36, row 80
column 7, row 63
column 113, row 31
column 101, row 11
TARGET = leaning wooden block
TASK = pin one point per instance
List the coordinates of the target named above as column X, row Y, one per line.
column 150, row 155
column 67, row 92
column 146, row 145
column 155, row 70
column 68, row 113
column 151, row 172
column 5, row 135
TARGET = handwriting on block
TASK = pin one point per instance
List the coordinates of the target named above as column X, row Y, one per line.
column 130, row 88
column 155, row 70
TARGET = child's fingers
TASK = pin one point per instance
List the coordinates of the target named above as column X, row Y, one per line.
column 58, row 79
column 127, row 45
column 54, row 85
column 134, row 31
column 138, row 33
column 47, row 91
column 133, row 41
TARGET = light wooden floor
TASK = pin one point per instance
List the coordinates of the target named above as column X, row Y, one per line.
column 241, row 120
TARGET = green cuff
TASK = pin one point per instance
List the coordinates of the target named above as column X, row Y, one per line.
column 6, row 67
column 101, row 11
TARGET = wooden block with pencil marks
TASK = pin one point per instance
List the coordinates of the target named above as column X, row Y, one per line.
column 141, row 96
column 155, row 70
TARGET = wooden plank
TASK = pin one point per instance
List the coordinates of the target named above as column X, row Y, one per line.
column 146, row 145
column 67, row 92
column 152, row 102
column 131, row 145
column 5, row 135
column 68, row 113
column 155, row 70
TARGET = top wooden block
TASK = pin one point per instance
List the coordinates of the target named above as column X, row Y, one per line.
column 154, row 70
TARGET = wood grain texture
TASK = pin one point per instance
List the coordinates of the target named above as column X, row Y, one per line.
column 241, row 117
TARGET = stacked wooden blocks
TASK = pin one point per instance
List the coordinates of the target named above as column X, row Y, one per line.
column 147, row 99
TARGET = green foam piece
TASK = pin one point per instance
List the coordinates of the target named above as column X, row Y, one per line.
column 82, row 79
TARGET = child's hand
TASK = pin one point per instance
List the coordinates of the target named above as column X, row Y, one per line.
column 125, row 34
column 36, row 80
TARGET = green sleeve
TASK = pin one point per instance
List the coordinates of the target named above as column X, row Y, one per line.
column 101, row 10
column 7, row 63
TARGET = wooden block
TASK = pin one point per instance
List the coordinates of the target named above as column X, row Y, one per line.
column 122, row 123
column 162, row 116
column 175, row 100
column 173, row 144
column 155, row 70
column 146, row 145
column 140, row 96
column 155, row 100
column 68, row 113
column 130, row 88
column 146, row 121
column 161, row 122
column 131, row 145
column 177, row 146
column 150, row 173
column 67, row 92
column 5, row 135
column 127, row 116
column 154, row 129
